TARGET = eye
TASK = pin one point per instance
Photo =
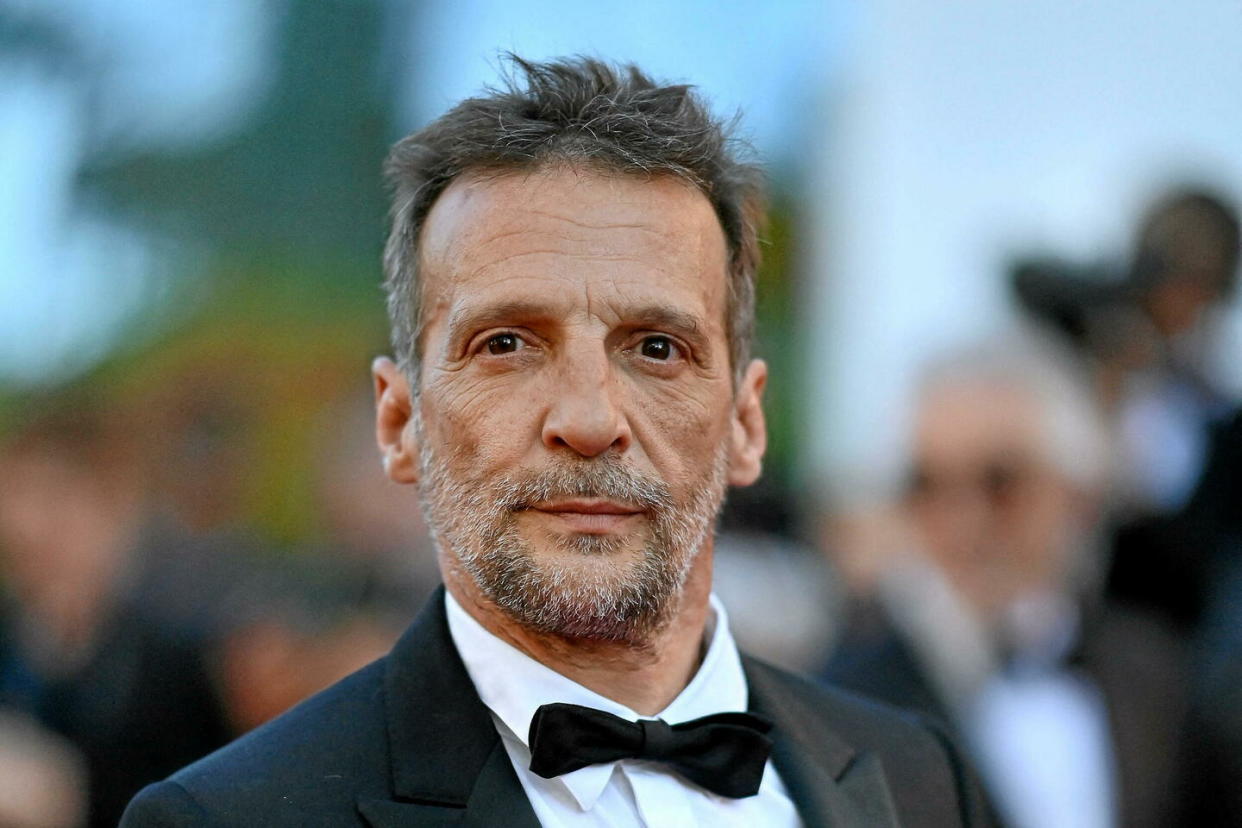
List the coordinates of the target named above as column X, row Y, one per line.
column 659, row 348
column 505, row 343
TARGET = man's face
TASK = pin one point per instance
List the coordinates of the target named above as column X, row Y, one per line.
column 576, row 423
column 987, row 506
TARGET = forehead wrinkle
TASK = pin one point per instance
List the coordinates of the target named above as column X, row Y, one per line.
column 484, row 267
column 601, row 225
column 617, row 246
column 476, row 254
column 501, row 216
column 621, row 308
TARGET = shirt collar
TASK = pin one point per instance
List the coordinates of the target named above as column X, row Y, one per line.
column 513, row 685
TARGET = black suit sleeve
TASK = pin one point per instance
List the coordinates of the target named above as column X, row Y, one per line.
column 163, row 805
column 975, row 810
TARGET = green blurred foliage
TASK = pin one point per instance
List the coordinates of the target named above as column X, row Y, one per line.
column 301, row 180
column 776, row 294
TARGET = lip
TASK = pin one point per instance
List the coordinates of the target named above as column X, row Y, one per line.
column 586, row 506
column 591, row 516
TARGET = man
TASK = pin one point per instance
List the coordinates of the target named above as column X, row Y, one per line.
column 570, row 276
column 1071, row 708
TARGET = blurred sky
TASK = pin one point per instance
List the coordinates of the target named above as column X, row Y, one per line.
column 931, row 140
column 772, row 60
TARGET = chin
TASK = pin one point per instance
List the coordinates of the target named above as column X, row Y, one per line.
column 569, row 547
column 604, row 588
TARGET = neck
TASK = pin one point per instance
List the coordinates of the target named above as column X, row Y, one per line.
column 644, row 676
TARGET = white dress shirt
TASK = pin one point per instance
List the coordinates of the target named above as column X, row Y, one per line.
column 629, row 792
column 1043, row 744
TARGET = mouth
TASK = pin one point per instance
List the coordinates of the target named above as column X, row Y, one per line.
column 591, row 516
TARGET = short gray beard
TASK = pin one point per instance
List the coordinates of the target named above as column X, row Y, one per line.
column 473, row 521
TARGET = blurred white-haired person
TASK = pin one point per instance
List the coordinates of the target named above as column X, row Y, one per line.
column 989, row 615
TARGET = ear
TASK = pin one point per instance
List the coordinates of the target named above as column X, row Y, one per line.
column 394, row 432
column 749, row 437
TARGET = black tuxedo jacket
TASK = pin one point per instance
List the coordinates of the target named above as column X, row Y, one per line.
column 1145, row 714
column 406, row 741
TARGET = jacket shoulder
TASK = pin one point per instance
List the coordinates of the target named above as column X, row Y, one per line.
column 930, row 782
column 302, row 768
column 164, row 804
column 864, row 722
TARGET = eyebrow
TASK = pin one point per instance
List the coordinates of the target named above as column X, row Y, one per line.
column 663, row 317
column 466, row 320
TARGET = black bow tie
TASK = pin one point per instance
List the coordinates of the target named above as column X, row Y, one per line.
column 724, row 753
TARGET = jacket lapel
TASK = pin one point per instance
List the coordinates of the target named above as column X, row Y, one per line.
column 447, row 762
column 830, row 783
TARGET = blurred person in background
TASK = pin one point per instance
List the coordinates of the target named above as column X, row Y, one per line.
column 278, row 616
column 990, row 617
column 142, row 614
column 1214, row 517
column 205, row 409
column 1148, row 329
column 43, row 779
column 294, row 624
column 77, row 653
column 287, row 622
column 365, row 518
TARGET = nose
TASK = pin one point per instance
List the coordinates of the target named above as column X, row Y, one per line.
column 586, row 415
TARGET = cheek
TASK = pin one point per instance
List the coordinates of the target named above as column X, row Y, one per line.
column 681, row 429
column 476, row 420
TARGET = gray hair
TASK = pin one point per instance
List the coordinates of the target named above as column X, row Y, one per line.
column 1075, row 435
column 575, row 111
